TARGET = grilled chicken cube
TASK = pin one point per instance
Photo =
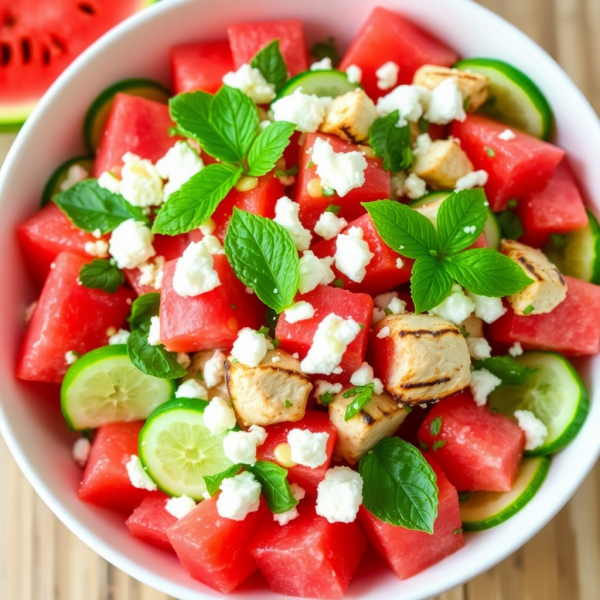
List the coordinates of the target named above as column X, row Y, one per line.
column 442, row 164
column 196, row 371
column 473, row 87
column 350, row 117
column 548, row 288
column 420, row 358
column 274, row 391
column 379, row 418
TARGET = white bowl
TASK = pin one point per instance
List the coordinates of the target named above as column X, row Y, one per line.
column 30, row 418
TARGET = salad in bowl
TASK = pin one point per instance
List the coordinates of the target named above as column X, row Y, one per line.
column 298, row 309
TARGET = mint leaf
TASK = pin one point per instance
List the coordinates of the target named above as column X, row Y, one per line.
column 101, row 275
column 263, row 257
column 391, row 143
column 213, row 482
column 153, row 360
column 268, row 147
column 403, row 229
column 399, row 485
column 270, row 62
column 461, row 220
column 143, row 309
column 430, row 283
column 510, row 225
column 506, row 368
column 362, row 394
column 90, row 207
column 196, row 200
column 486, row 272
column 275, row 486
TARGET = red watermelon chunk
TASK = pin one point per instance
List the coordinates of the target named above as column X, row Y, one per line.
column 515, row 167
column 376, row 186
column 298, row 337
column 572, row 328
column 309, row 557
column 558, row 208
column 150, row 520
column 134, row 125
column 105, row 480
column 482, row 450
column 210, row 320
column 68, row 317
column 382, row 272
column 214, row 549
column 248, row 38
column 408, row 552
column 200, row 66
column 385, row 37
column 306, row 477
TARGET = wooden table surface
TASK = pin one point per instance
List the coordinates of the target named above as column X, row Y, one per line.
column 41, row 560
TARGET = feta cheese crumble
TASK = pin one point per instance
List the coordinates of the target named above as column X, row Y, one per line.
column 178, row 165
column 250, row 347
column 445, row 103
column 414, row 187
column 219, row 416
column 214, row 369
column 154, row 332
column 391, row 303
column 71, row 356
column 180, row 507
column 286, row 215
column 120, row 337
column 329, row 344
column 305, row 110
column 471, row 180
column 109, row 182
column 516, row 349
column 140, row 184
column 290, row 515
column 483, row 383
column 535, row 431
column 479, row 348
column 213, row 245
column 322, row 387
column 486, row 308
column 131, row 244
column 299, row 311
column 99, row 248
column 507, row 135
column 387, row 75
column 408, row 100
column 151, row 272
column 137, row 475
column 383, row 333
column 422, row 144
column 322, row 65
column 364, row 375
column 339, row 171
column 308, row 449
column 354, row 73
column 75, row 174
column 329, row 225
column 339, row 495
column 399, row 263
column 240, row 446
column 191, row 389
column 314, row 271
column 194, row 271
column 240, row 495
column 250, row 81
column 81, row 451
column 456, row 307
column 352, row 254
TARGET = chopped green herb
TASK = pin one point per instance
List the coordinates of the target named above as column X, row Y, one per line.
column 423, row 125
column 467, row 102
column 338, row 283
column 423, row 445
column 235, row 361
column 333, row 208
column 436, row 426
column 387, row 311
column 458, row 531
column 408, row 408
column 464, row 332
column 490, row 152
column 287, row 172
column 512, row 203
column 288, row 404
column 328, row 192
column 362, row 394
column 439, row 444
column 559, row 240
column 510, row 225
column 264, row 330
column 529, row 309
column 506, row 368
column 326, row 398
column 276, row 343
column 361, row 325
column 311, row 164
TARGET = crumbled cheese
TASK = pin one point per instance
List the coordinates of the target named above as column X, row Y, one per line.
column 194, row 271
column 97, row 233
column 151, row 272
column 397, row 306
column 180, row 163
column 250, row 347
column 240, row 446
column 414, row 187
column 387, row 75
column 339, row 495
column 154, row 332
column 314, row 271
column 214, row 369
column 120, row 337
column 409, row 100
column 322, row 65
column 363, row 375
column 191, row 389
column 71, row 356
column 140, row 185
column 422, row 144
column 213, row 245
column 354, row 73
column 479, row 348
column 516, row 349
column 290, row 515
column 383, row 333
column 219, row 416
column 305, row 110
column 109, row 182
column 180, row 507
column 276, row 359
column 329, row 344
column 456, row 307
column 507, row 135
column 251, row 81
column 483, row 383
column 383, row 300
column 138, row 476
column 389, row 302
column 535, row 431
column 286, row 215
column 131, row 244
column 339, row 171
column 352, row 254
column 308, row 448
column 296, row 355
column 81, row 451
column 445, row 103
column 329, row 225
column 240, row 495
column 322, row 387
column 29, row 310
column 299, row 311
column 399, row 263
column 99, row 248
column 183, row 358
column 471, row 180
column 486, row 308
column 208, row 227
column 75, row 174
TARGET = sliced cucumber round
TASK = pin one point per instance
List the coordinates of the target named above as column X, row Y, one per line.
column 177, row 449
column 104, row 386
column 95, row 118
column 514, row 98
column 483, row 510
column 330, row 83
column 58, row 177
column 553, row 392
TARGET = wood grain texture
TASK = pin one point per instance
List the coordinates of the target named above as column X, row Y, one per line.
column 41, row 560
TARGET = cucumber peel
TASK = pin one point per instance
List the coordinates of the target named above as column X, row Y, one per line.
column 53, row 185
column 330, row 83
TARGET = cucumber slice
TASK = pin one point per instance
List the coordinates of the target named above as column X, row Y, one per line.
column 104, row 386
column 55, row 181
column 177, row 449
column 95, row 118
column 554, row 393
column 491, row 230
column 483, row 510
column 514, row 98
column 319, row 83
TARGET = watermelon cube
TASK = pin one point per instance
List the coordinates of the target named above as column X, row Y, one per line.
column 105, row 480
column 213, row 549
column 68, row 317
column 515, row 167
column 386, row 36
column 572, row 328
column 150, row 520
column 383, row 273
column 481, row 451
column 309, row 557
column 306, row 477
column 408, row 552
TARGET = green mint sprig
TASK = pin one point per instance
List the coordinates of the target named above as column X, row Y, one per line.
column 506, row 368
column 271, row 64
column 213, row 482
column 101, row 275
column 362, row 394
column 441, row 256
column 392, row 143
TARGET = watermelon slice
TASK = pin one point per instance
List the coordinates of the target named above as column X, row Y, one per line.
column 40, row 38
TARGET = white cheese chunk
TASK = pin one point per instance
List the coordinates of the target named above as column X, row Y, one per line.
column 178, row 165
column 472, row 180
column 299, row 311
column 387, row 75
column 516, row 349
column 329, row 225
column 140, row 184
column 138, row 476
column 71, row 356
column 308, row 448
column 240, row 495
column 154, row 332
column 414, row 187
column 483, row 383
column 240, row 446
column 354, row 73
column 131, row 244
column 409, row 100
column 352, row 254
column 194, row 271
column 445, row 103
column 109, row 182
column 322, row 387
column 507, row 135
column 250, row 347
column 219, row 416
column 306, row 111
column 290, row 515
column 214, row 369
column 479, row 348
column 535, row 431
column 99, row 248
column 251, row 81
column 339, row 495
column 322, row 65
column 314, row 271
column 120, row 337
column 191, row 389
column 486, row 308
column 180, row 507
column 151, row 272
column 81, row 451
column 286, row 215
column 456, row 308
column 75, row 174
